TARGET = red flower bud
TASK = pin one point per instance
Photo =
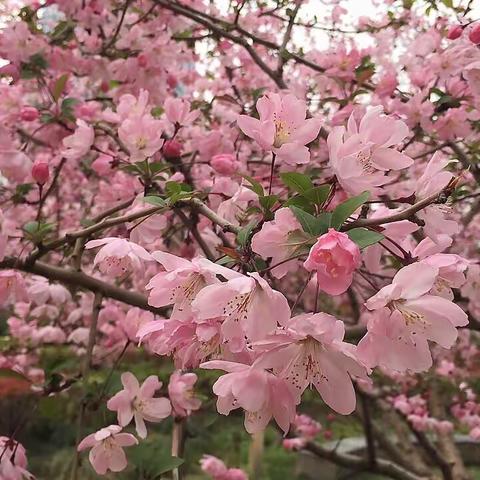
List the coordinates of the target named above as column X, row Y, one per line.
column 454, row 32
column 172, row 149
column 474, row 34
column 41, row 172
column 29, row 114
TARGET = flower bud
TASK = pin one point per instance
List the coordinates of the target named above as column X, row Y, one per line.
column 172, row 149
column 454, row 32
column 224, row 163
column 40, row 172
column 474, row 34
column 29, row 114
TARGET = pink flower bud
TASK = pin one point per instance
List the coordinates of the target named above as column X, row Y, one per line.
column 454, row 32
column 142, row 60
column 40, row 172
column 224, row 163
column 29, row 114
column 102, row 165
column 172, row 149
column 474, row 34
column 171, row 80
column 225, row 45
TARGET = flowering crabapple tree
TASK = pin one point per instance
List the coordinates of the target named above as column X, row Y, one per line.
column 266, row 210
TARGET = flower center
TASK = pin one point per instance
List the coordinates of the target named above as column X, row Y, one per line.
column 282, row 133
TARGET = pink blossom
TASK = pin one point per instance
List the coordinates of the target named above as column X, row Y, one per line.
column 142, row 136
column 213, row 466
column 102, row 165
column 407, row 318
column 261, row 394
column 178, row 111
column 241, row 301
column 282, row 127
column 14, row 164
column 224, row 163
column 181, row 281
column 138, row 402
column 361, row 154
column 12, row 287
column 181, row 394
column 277, row 240
column 78, row 144
column 128, row 106
column 118, row 256
column 334, row 257
column 107, row 449
column 433, row 180
column 13, row 463
column 133, row 321
column 311, row 351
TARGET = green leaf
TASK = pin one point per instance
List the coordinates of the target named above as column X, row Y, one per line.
column 300, row 202
column 156, row 112
column 154, row 200
column 59, row 86
column 364, row 237
column 168, row 465
column 310, row 224
column 317, row 195
column 254, row 185
column 268, row 201
column 345, row 209
column 243, row 236
column 298, row 182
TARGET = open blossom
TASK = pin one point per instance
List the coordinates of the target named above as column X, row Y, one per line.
column 178, row 111
column 107, row 449
column 433, row 180
column 282, row 127
column 181, row 281
column 408, row 316
column 128, row 106
column 14, row 164
column 13, row 464
column 311, row 351
column 78, row 144
column 191, row 341
column 261, row 394
column 274, row 240
column 138, row 402
column 142, row 136
column 12, row 287
column 118, row 256
column 242, row 301
column 217, row 469
column 362, row 154
column 181, row 394
column 334, row 258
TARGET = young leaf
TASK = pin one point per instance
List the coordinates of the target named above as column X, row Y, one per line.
column 345, row 209
column 243, row 236
column 310, row 224
column 154, row 200
column 317, row 195
column 268, row 201
column 254, row 185
column 363, row 237
column 59, row 86
column 297, row 181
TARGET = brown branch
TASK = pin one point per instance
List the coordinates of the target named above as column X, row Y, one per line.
column 78, row 279
column 403, row 215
